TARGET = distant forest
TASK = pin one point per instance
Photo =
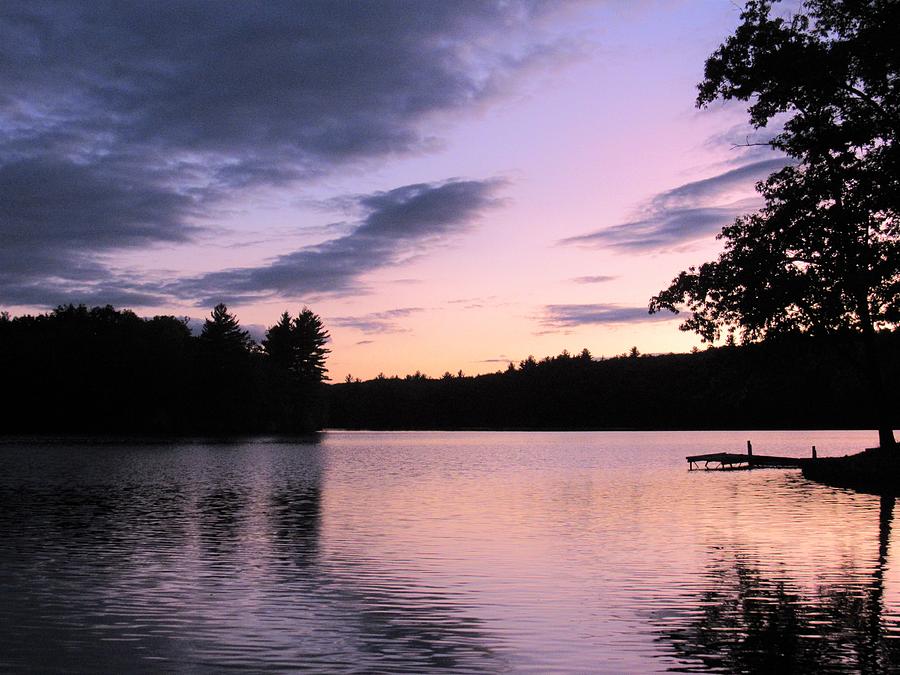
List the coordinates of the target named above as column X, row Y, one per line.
column 790, row 382
column 106, row 371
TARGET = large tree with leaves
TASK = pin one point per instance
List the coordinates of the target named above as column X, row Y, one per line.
column 823, row 254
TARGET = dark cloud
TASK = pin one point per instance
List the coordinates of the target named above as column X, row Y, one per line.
column 568, row 316
column 123, row 123
column 664, row 229
column 597, row 279
column 395, row 223
column 265, row 91
column 712, row 187
column 387, row 321
column 38, row 199
column 106, row 291
column 57, row 215
column 685, row 213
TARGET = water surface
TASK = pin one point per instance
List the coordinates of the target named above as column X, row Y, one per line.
column 417, row 552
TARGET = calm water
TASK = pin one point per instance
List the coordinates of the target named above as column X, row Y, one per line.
column 431, row 551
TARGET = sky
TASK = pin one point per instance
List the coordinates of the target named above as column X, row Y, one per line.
column 449, row 185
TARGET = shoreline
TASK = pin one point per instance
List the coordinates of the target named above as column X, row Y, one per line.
column 872, row 471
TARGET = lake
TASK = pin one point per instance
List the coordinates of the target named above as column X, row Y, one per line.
column 427, row 551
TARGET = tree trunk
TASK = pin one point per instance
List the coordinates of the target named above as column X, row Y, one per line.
column 878, row 397
column 856, row 271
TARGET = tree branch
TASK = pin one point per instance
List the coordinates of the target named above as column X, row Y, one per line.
column 748, row 144
column 859, row 93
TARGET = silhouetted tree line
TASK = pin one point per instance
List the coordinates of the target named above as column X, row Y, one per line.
column 102, row 370
column 793, row 381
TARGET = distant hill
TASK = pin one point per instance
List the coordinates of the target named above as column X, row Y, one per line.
column 793, row 382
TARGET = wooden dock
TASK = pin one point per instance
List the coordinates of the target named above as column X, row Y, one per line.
column 726, row 461
column 729, row 460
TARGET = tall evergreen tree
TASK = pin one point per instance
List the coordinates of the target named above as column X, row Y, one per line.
column 227, row 380
column 309, row 340
column 223, row 332
column 298, row 346
column 278, row 343
column 296, row 355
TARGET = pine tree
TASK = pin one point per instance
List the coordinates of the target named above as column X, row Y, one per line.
column 223, row 333
column 296, row 352
column 278, row 343
column 225, row 374
column 309, row 338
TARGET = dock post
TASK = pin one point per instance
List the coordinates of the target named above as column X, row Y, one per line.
column 749, row 449
column 814, row 452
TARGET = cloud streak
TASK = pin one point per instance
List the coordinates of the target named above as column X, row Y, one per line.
column 595, row 279
column 570, row 316
column 394, row 223
column 685, row 213
column 388, row 321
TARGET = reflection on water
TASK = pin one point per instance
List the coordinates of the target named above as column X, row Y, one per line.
column 418, row 552
column 753, row 621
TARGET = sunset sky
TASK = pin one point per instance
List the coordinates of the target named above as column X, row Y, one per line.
column 450, row 185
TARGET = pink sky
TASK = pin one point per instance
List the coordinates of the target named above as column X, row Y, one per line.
column 590, row 136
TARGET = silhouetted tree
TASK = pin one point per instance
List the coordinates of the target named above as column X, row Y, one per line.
column 309, row 340
column 223, row 333
column 226, row 379
column 823, row 254
column 278, row 343
column 527, row 364
column 297, row 352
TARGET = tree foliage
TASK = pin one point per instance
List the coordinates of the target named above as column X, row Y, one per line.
column 297, row 352
column 823, row 254
column 222, row 332
column 310, row 338
column 102, row 370
column 298, row 345
column 278, row 343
